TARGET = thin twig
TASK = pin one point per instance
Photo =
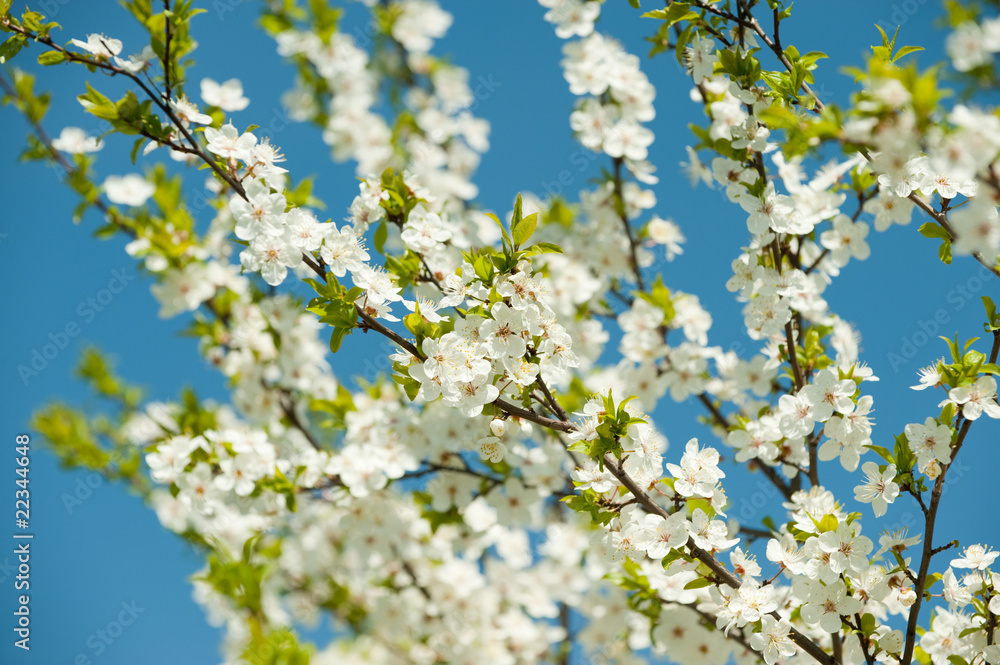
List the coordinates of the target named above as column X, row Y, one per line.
column 928, row 549
column 632, row 242
column 166, row 47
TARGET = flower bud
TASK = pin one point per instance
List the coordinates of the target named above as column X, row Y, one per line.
column 498, row 427
column 892, row 641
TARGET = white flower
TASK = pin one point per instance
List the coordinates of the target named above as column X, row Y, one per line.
column 136, row 62
column 188, row 112
column 930, row 377
column 424, row 231
column 660, row 535
column 228, row 96
column 700, row 58
column 665, row 232
column 966, row 47
column 228, row 143
column 879, row 489
column 99, row 45
column 956, row 593
column 76, row 142
column 846, row 240
column 502, row 334
column 419, row 23
column 490, row 448
column 976, row 399
column 828, row 393
column 827, row 604
column 261, row 213
column 848, row 551
column 930, row 441
column 709, row 534
column 976, row 557
column 772, row 641
column 130, row 190
column 272, row 256
column 342, row 251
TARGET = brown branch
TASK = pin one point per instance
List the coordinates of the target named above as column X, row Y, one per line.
column 632, row 243
column 556, row 408
column 714, row 410
column 371, row 323
column 928, row 549
column 717, row 568
column 559, row 425
column 289, row 410
column 157, row 99
column 863, row 641
column 815, row 263
column 814, row 459
column 566, row 648
column 991, row 619
column 166, row 47
column 776, row 480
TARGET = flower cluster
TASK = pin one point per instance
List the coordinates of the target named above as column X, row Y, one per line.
column 513, row 343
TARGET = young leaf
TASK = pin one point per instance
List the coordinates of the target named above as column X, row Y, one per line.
column 525, row 229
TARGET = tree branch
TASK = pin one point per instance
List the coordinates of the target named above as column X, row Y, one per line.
column 717, row 568
column 928, row 550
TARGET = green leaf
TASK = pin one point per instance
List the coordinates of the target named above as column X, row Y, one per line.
column 882, row 452
column 525, row 229
column 867, row 624
column 828, row 523
column 381, row 233
column 933, row 230
column 543, row 248
column 503, row 230
column 135, row 149
column 412, row 387
column 51, row 58
column 12, row 46
column 518, row 214
column 992, row 322
column 676, row 12
column 944, row 252
column 698, row 583
column 905, row 459
column 337, row 338
column 906, row 50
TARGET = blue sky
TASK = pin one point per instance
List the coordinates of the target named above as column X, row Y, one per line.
column 92, row 555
